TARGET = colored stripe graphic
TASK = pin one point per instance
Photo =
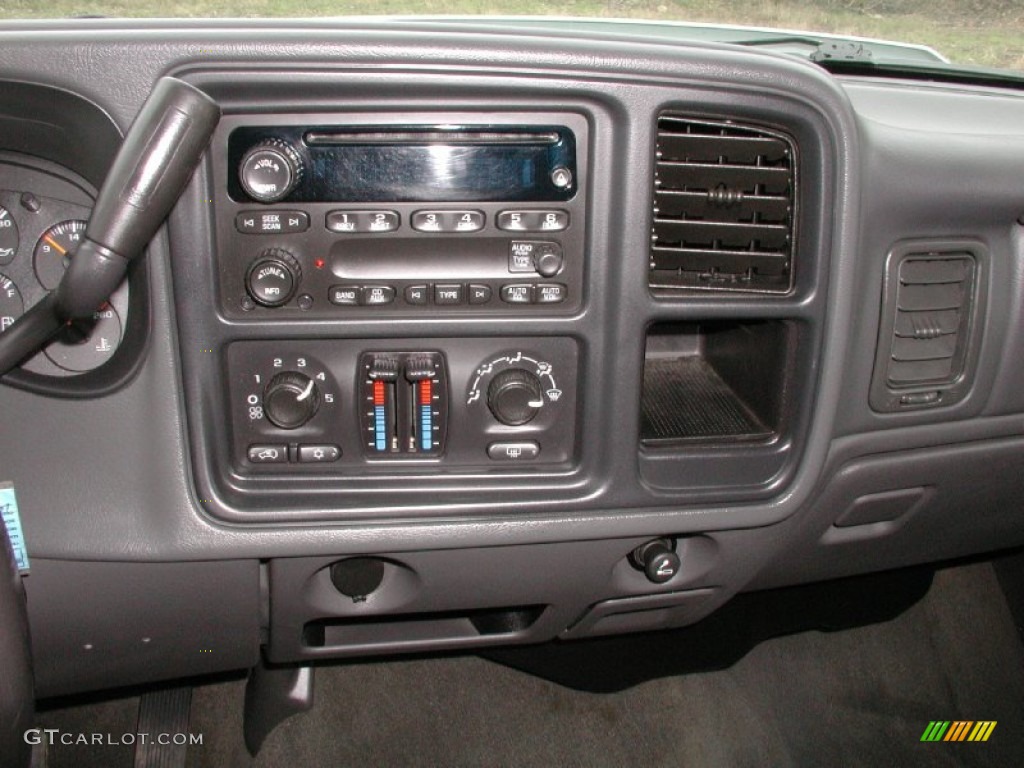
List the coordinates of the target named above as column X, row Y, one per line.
column 982, row 730
column 959, row 730
column 935, row 731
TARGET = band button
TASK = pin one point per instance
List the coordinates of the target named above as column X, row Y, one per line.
column 344, row 295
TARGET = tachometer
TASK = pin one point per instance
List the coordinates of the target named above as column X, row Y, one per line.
column 53, row 250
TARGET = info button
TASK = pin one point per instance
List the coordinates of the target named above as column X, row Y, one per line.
column 520, row 450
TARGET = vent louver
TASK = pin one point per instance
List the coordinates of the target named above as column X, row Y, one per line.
column 928, row 336
column 932, row 303
column 724, row 202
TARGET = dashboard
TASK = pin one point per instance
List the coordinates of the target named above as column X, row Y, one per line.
column 462, row 336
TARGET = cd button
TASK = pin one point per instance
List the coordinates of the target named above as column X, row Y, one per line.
column 517, row 293
column 345, row 295
column 479, row 294
column 448, row 294
column 376, row 295
column 416, row 294
column 550, row 293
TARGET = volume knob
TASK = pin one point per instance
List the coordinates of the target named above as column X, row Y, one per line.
column 270, row 170
column 273, row 277
column 514, row 396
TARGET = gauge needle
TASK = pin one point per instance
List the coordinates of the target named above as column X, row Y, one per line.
column 56, row 245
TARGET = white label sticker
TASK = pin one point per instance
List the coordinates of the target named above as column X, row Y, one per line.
column 12, row 521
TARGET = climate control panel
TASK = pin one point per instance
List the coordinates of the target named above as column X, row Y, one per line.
column 338, row 405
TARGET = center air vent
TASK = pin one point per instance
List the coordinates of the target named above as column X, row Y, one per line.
column 724, row 200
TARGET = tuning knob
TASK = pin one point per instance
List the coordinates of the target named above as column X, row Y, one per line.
column 514, row 396
column 270, row 170
column 290, row 400
column 273, row 277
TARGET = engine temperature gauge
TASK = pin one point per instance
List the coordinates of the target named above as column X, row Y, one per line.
column 52, row 254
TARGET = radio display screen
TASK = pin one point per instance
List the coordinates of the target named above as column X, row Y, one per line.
column 422, row 164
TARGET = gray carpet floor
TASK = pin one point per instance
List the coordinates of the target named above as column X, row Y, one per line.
column 861, row 696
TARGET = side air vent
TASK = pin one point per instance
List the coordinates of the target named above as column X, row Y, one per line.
column 724, row 204
column 929, row 315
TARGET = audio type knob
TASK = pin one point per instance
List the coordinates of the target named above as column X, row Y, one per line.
column 273, row 277
column 270, row 170
column 290, row 400
column 514, row 396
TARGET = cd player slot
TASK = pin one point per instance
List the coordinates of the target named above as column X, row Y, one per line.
column 418, row 259
column 466, row 138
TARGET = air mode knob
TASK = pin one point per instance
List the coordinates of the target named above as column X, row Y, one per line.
column 273, row 277
column 514, row 396
column 270, row 170
column 290, row 400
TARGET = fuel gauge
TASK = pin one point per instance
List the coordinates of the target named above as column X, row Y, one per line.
column 53, row 250
column 11, row 304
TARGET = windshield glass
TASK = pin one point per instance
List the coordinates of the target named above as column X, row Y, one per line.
column 967, row 33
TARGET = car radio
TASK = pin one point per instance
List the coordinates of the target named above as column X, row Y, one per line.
column 339, row 218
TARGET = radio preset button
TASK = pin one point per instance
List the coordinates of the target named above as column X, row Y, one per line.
column 447, row 294
column 344, row 295
column 550, row 293
column 416, row 294
column 479, row 294
column 533, row 221
column 467, row 221
column 362, row 221
column 271, row 222
column 517, row 293
column 376, row 295
column 448, row 221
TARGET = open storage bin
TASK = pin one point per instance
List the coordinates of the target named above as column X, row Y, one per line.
column 722, row 381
